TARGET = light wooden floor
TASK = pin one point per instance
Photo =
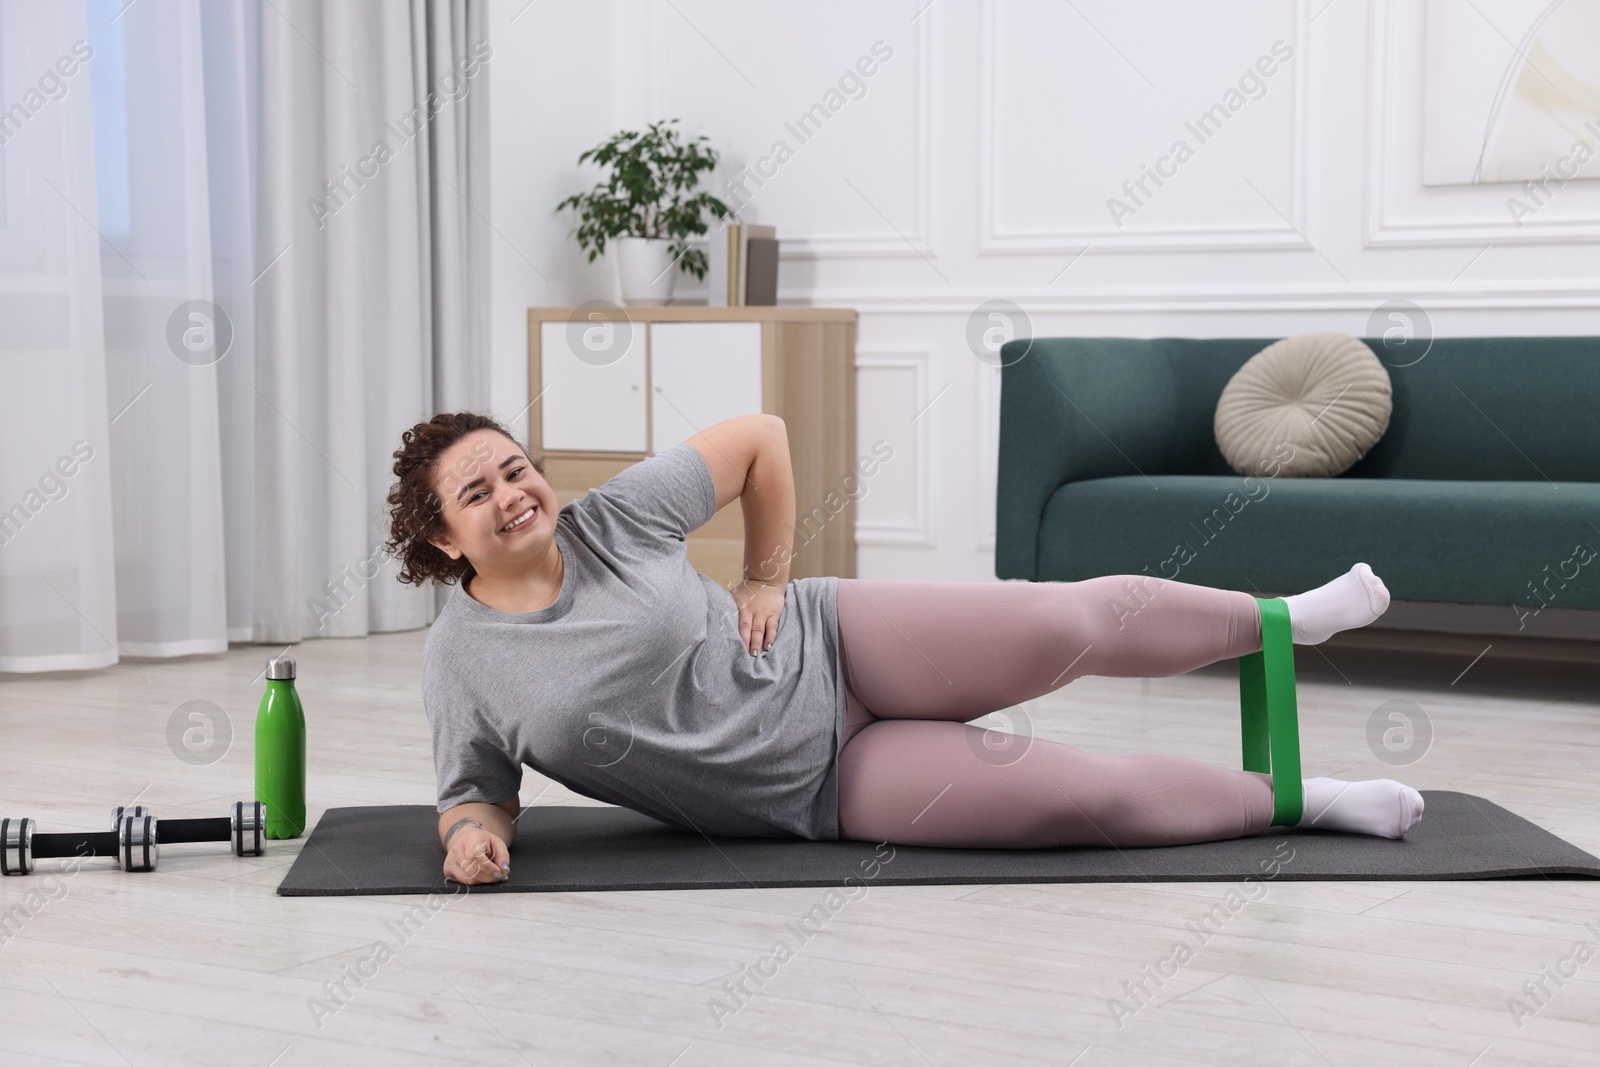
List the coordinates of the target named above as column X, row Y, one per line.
column 200, row 962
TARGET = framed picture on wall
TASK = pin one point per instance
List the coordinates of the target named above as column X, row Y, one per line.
column 1511, row 91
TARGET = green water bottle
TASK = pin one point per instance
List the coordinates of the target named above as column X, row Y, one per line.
column 281, row 752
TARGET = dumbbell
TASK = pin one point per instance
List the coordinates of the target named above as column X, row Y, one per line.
column 137, row 850
column 243, row 828
column 119, row 811
column 136, row 840
column 133, row 843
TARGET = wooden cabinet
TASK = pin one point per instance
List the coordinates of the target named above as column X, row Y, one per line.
column 611, row 386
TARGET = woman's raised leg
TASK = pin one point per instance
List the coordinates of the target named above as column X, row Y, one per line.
column 959, row 650
column 953, row 651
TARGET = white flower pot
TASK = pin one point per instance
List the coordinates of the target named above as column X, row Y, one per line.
column 646, row 270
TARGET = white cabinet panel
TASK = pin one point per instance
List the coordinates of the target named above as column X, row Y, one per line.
column 593, row 399
column 701, row 373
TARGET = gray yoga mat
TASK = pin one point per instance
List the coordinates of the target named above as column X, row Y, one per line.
column 563, row 848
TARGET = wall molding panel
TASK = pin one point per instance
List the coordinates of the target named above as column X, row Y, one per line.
column 913, row 364
column 915, row 241
column 986, row 418
column 918, row 241
column 1040, row 240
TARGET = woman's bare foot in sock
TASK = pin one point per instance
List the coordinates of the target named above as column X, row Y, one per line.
column 1355, row 598
column 1381, row 807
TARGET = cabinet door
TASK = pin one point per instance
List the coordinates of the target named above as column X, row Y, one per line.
column 701, row 373
column 592, row 398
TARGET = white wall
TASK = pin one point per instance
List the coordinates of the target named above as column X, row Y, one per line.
column 977, row 164
column 550, row 97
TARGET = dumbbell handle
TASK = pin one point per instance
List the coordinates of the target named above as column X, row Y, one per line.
column 243, row 826
column 63, row 846
column 188, row 831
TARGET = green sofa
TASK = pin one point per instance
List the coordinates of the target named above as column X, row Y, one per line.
column 1480, row 505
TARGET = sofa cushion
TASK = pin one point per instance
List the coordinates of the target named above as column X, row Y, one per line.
column 1308, row 406
column 1521, row 544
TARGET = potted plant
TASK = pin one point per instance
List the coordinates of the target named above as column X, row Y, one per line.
column 648, row 207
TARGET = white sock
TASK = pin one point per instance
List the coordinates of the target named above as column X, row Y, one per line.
column 1353, row 599
column 1381, row 807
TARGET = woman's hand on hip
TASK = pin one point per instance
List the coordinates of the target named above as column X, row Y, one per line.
column 760, row 604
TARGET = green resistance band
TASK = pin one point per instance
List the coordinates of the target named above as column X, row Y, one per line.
column 1267, row 712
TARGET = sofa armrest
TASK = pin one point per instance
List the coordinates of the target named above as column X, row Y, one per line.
column 1073, row 409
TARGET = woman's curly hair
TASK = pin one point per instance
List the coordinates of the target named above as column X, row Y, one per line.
column 414, row 505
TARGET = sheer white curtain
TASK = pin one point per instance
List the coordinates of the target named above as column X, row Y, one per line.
column 217, row 314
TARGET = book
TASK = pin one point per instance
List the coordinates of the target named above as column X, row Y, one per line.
column 761, row 272
column 717, row 263
column 739, row 279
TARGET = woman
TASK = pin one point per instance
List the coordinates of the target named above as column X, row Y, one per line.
column 579, row 640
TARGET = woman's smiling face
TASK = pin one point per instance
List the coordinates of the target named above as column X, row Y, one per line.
column 487, row 486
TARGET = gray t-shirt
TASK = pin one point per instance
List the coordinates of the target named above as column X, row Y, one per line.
column 634, row 687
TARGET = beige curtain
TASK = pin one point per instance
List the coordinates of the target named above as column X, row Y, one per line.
column 374, row 191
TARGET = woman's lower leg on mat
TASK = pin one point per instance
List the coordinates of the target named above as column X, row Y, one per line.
column 922, row 658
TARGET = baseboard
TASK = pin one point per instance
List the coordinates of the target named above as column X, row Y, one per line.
column 1563, row 635
column 1493, row 619
column 1467, row 646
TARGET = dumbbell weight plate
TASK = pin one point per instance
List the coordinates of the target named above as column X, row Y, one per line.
column 248, row 822
column 137, row 847
column 119, row 811
column 16, row 846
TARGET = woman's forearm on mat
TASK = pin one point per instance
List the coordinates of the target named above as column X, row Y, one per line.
column 493, row 818
column 768, row 508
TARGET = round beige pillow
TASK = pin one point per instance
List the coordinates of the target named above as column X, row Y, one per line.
column 1307, row 406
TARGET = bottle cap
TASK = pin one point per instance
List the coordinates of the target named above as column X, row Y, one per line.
column 280, row 667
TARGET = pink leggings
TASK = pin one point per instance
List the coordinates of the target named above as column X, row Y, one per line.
column 922, row 658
